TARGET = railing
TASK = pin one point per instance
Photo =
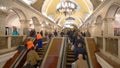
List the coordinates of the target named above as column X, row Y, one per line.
column 100, row 42
column 13, row 62
column 19, row 62
column 19, row 59
column 8, row 43
column 56, row 56
column 63, row 63
column 110, row 46
column 62, row 55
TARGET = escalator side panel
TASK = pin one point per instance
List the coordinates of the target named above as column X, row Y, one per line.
column 52, row 56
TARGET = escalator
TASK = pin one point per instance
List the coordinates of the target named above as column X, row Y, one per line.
column 69, row 56
column 54, row 54
column 42, row 51
column 18, row 60
column 11, row 63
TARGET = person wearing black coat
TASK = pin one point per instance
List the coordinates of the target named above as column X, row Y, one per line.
column 79, row 50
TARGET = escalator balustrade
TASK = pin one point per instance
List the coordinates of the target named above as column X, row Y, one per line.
column 70, row 58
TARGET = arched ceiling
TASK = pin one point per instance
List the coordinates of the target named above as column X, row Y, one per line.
column 48, row 8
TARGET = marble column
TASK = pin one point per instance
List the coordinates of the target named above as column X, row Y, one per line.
column 98, row 29
column 108, row 29
column 110, row 22
column 2, row 22
column 24, row 27
column 38, row 28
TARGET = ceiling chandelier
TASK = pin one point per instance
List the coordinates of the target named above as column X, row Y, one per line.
column 66, row 7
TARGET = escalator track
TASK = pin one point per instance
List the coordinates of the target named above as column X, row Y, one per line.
column 53, row 57
column 18, row 60
column 70, row 58
column 42, row 52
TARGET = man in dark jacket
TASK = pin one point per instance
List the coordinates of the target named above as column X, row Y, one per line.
column 79, row 50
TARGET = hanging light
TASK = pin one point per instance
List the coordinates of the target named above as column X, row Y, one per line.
column 66, row 7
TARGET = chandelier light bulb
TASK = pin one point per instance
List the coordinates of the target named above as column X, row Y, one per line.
column 66, row 7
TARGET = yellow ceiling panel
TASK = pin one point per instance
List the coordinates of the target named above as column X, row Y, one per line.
column 38, row 5
column 76, row 22
column 78, row 14
column 52, row 7
column 83, row 6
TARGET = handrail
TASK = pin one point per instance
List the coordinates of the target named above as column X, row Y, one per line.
column 46, row 53
column 16, row 62
column 56, row 55
column 59, row 65
column 64, row 54
column 20, row 57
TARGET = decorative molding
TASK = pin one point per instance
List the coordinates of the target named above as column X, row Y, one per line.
column 32, row 9
column 96, row 11
column 3, row 14
column 110, row 18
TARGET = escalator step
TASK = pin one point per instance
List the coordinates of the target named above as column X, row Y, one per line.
column 68, row 65
column 70, row 59
column 70, row 56
column 70, row 53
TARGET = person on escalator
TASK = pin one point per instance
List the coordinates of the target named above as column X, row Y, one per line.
column 81, row 63
column 80, row 50
column 33, row 58
column 39, row 39
column 29, row 44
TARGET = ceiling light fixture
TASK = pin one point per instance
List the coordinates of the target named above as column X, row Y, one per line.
column 66, row 7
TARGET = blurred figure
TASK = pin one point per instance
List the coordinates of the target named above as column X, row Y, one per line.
column 46, row 34
column 55, row 33
column 81, row 63
column 41, row 32
column 29, row 44
column 33, row 58
column 15, row 32
column 62, row 33
column 87, row 34
column 50, row 35
column 79, row 50
column 32, row 33
column 39, row 39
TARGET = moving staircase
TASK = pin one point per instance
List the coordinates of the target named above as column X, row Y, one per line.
column 18, row 60
column 69, row 56
column 42, row 51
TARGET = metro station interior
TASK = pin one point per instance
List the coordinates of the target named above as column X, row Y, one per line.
column 62, row 25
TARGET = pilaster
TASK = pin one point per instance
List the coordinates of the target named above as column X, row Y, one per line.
column 2, row 23
column 24, row 27
column 108, row 27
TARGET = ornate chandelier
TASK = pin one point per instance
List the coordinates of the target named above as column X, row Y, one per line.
column 67, row 7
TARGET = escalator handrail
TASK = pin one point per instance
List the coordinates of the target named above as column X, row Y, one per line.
column 20, row 57
column 60, row 60
column 61, row 54
column 64, row 54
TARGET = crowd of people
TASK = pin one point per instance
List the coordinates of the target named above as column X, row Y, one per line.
column 76, row 39
column 78, row 46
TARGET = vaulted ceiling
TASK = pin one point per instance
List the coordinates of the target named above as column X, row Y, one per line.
column 48, row 8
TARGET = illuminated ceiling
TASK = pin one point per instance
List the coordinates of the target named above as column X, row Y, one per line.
column 48, row 8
